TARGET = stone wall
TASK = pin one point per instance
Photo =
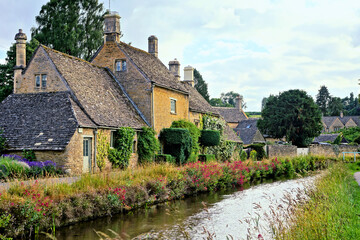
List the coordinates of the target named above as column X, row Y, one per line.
column 281, row 151
column 330, row 150
column 40, row 64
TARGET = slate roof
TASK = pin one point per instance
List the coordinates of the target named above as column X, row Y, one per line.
column 328, row 137
column 197, row 103
column 151, row 66
column 97, row 92
column 231, row 115
column 247, row 129
column 328, row 120
column 38, row 121
column 231, row 135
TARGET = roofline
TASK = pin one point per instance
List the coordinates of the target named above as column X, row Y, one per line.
column 32, row 57
column 96, row 53
column 197, row 111
column 168, row 88
column 128, row 97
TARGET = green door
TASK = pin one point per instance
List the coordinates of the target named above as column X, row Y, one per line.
column 87, row 155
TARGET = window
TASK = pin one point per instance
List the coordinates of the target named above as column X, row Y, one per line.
column 112, row 134
column 172, row 105
column 40, row 80
column 134, row 147
column 37, row 81
column 120, row 65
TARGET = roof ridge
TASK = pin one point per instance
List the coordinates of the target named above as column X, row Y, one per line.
column 135, row 48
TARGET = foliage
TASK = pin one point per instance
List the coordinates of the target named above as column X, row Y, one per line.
column 351, row 133
column 123, row 143
column 161, row 158
column 292, row 114
column 253, row 155
column 357, row 140
column 2, row 141
column 102, row 150
column 335, row 106
column 209, row 138
column 194, row 133
column 29, row 155
column 200, row 85
column 259, row 148
column 74, row 27
column 7, row 69
column 206, row 157
column 338, row 139
column 227, row 100
column 177, row 142
column 148, row 145
column 243, row 155
column 323, row 100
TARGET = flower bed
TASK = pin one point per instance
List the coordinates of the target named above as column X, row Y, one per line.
column 108, row 193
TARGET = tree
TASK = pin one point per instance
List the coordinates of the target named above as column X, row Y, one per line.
column 216, row 102
column 227, row 100
column 292, row 114
column 263, row 102
column 74, row 27
column 323, row 99
column 200, row 85
column 335, row 106
column 7, row 69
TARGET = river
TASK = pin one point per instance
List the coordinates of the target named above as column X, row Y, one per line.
column 236, row 214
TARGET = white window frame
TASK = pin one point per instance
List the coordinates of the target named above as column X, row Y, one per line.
column 39, row 83
column 122, row 67
column 171, row 101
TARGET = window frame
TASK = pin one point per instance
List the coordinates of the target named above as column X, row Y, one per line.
column 42, row 80
column 39, row 80
column 123, row 65
column 173, row 100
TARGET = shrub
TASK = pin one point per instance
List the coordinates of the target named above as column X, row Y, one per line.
column 123, row 142
column 29, row 155
column 194, row 133
column 253, row 155
column 148, row 145
column 243, row 155
column 338, row 139
column 102, row 150
column 160, row 158
column 206, row 157
column 259, row 148
column 177, row 142
column 209, row 138
column 357, row 140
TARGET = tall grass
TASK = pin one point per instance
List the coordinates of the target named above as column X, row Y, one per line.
column 332, row 211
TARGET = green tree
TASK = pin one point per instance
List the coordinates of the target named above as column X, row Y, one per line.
column 322, row 99
column 335, row 106
column 292, row 114
column 227, row 100
column 216, row 102
column 201, row 86
column 74, row 27
column 7, row 69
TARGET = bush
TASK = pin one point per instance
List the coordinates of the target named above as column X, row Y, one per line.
column 338, row 139
column 206, row 157
column 194, row 133
column 243, row 155
column 29, row 155
column 177, row 142
column 357, row 140
column 123, row 142
column 259, row 148
column 161, row 158
column 253, row 155
column 148, row 145
column 209, row 138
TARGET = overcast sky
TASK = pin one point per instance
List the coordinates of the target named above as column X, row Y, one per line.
column 255, row 48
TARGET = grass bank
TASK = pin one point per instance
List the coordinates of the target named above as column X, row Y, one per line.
column 25, row 210
column 331, row 212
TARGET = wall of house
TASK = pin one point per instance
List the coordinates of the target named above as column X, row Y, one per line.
column 350, row 123
column 281, row 151
column 330, row 150
column 258, row 137
column 40, row 64
column 337, row 124
column 195, row 118
column 163, row 115
column 138, row 88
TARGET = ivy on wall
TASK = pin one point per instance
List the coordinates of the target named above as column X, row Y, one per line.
column 148, row 145
column 102, row 150
column 123, row 140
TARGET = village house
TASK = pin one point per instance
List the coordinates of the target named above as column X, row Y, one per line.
column 248, row 132
column 233, row 115
column 335, row 123
column 61, row 104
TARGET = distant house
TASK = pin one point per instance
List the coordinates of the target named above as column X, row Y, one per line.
column 248, row 131
column 233, row 115
column 328, row 138
column 335, row 123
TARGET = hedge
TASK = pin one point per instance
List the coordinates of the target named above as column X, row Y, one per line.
column 259, row 148
column 161, row 158
column 206, row 157
column 209, row 138
column 147, row 145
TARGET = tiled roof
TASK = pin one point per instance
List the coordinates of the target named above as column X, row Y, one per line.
column 97, row 92
column 38, row 121
column 247, row 129
column 231, row 135
column 196, row 101
column 328, row 120
column 328, row 137
column 231, row 115
column 152, row 68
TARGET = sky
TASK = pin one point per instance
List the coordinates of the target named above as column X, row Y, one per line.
column 255, row 48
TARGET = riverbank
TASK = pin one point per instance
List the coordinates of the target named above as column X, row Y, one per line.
column 332, row 210
column 27, row 209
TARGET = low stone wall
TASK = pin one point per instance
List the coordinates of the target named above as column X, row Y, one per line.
column 281, row 151
column 330, row 150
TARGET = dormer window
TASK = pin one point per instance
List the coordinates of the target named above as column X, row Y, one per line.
column 120, row 65
column 37, row 81
column 43, row 80
column 40, row 80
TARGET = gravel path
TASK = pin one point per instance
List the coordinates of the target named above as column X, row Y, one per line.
column 6, row 185
column 357, row 177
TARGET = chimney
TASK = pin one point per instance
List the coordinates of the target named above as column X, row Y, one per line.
column 238, row 102
column 20, row 38
column 112, row 27
column 174, row 67
column 341, row 114
column 189, row 75
column 153, row 45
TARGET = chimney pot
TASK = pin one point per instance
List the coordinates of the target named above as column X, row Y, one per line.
column 20, row 38
column 189, row 75
column 238, row 102
column 174, row 67
column 153, row 45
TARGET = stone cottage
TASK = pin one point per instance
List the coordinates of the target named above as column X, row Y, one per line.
column 335, row 123
column 233, row 115
column 61, row 104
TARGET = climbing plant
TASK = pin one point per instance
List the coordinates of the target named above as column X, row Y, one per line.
column 102, row 150
column 123, row 142
column 2, row 141
column 148, row 145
